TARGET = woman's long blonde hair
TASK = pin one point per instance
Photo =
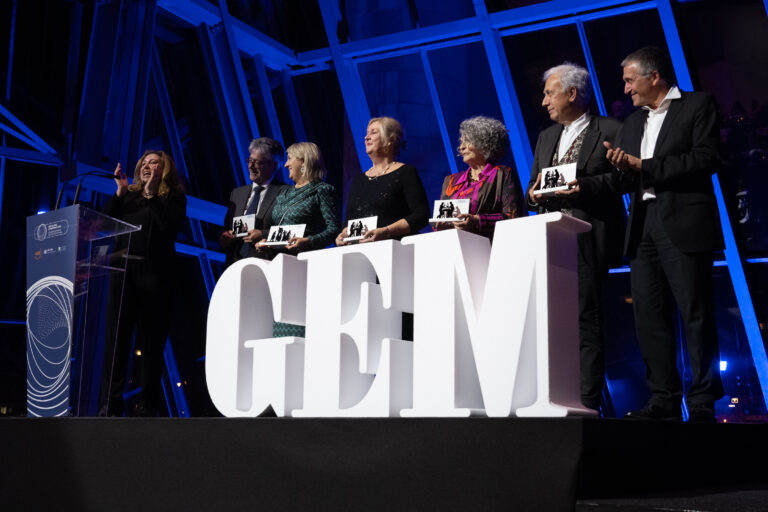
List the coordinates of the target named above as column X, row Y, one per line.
column 170, row 178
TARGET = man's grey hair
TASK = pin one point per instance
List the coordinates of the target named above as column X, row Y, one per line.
column 487, row 135
column 650, row 59
column 266, row 146
column 572, row 75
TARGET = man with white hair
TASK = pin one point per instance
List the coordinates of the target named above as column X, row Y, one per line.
column 577, row 138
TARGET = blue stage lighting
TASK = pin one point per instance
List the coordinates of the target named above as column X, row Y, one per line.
column 723, row 365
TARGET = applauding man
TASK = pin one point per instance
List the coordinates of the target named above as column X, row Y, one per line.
column 666, row 154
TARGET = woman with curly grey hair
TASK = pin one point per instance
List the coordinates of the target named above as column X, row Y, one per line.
column 493, row 189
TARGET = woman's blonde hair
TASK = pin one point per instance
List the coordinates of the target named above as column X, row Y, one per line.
column 170, row 177
column 313, row 167
column 391, row 133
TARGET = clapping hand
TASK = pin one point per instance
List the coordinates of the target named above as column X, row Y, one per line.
column 621, row 160
column 120, row 180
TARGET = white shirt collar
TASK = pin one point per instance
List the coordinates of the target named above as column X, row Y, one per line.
column 265, row 185
column 672, row 94
column 579, row 124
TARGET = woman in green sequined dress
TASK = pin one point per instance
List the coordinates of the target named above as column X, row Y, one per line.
column 310, row 201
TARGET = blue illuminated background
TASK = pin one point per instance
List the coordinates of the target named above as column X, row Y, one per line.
column 86, row 84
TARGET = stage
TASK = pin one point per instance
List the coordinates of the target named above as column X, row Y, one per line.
column 226, row 464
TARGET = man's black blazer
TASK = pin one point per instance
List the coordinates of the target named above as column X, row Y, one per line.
column 597, row 203
column 237, row 201
column 685, row 157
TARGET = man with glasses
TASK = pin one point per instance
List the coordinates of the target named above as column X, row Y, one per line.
column 256, row 198
column 666, row 154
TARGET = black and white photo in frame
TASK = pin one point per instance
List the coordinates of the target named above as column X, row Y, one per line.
column 448, row 210
column 555, row 178
column 242, row 224
column 279, row 235
column 357, row 228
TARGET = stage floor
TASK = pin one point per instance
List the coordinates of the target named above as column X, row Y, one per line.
column 441, row 464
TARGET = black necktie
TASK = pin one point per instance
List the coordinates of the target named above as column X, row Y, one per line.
column 253, row 201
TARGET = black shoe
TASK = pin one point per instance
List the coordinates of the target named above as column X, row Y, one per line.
column 654, row 412
column 702, row 415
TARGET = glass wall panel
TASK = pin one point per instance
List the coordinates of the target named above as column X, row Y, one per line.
column 156, row 136
column 6, row 20
column 723, row 44
column 27, row 188
column 211, row 233
column 743, row 399
column 430, row 12
column 194, row 107
column 257, row 99
column 726, row 49
column 370, row 18
column 188, row 333
column 398, row 88
column 503, row 5
column 281, row 107
column 530, row 55
column 465, row 87
column 295, row 23
column 325, row 122
column 612, row 39
column 624, row 367
column 39, row 77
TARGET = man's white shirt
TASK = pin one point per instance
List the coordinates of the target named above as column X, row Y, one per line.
column 651, row 132
column 570, row 133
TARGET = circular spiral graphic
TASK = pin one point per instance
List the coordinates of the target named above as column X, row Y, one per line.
column 49, row 336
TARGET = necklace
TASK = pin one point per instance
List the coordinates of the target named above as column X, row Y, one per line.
column 382, row 173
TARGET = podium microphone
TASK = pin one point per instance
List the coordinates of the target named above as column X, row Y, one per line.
column 100, row 174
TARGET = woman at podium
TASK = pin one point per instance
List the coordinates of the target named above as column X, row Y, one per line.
column 156, row 201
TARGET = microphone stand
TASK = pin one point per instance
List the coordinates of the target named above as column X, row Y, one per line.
column 100, row 174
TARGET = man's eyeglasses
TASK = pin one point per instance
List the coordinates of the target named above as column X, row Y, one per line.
column 258, row 163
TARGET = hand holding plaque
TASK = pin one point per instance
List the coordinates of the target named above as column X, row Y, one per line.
column 357, row 228
column 280, row 235
column 448, row 210
column 555, row 178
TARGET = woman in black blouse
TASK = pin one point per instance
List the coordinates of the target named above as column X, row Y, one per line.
column 389, row 190
column 157, row 202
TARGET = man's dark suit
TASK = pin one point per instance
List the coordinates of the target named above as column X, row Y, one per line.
column 670, row 241
column 600, row 248
column 238, row 200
